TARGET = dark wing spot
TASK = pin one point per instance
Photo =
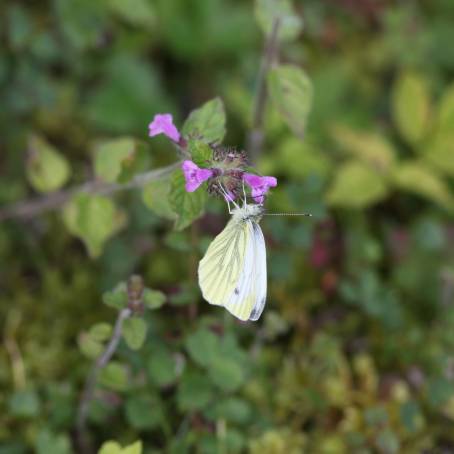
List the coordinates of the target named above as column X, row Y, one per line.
column 237, row 292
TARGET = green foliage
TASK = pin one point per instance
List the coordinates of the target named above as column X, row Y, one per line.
column 134, row 332
column 207, row 122
column 188, row 206
column 353, row 353
column 291, row 92
column 94, row 219
column 47, row 169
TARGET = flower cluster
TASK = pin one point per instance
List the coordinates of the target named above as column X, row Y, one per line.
column 226, row 176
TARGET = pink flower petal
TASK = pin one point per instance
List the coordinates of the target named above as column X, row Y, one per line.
column 194, row 175
column 163, row 124
column 259, row 185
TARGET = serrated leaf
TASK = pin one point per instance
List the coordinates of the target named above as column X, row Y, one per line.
column 203, row 346
column 101, row 331
column 419, row 179
column 134, row 332
column 291, row 93
column 47, row 169
column 207, row 121
column 187, row 205
column 356, row 186
column 411, row 107
column 226, row 373
column 153, row 299
column 290, row 24
column 114, row 376
column 94, row 219
column 201, row 152
column 371, row 148
column 118, row 160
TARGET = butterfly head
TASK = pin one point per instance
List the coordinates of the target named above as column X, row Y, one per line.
column 248, row 212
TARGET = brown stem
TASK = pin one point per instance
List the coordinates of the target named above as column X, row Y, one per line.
column 92, row 378
column 270, row 54
column 30, row 208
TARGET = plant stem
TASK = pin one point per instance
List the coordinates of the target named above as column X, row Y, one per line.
column 270, row 54
column 90, row 383
column 30, row 208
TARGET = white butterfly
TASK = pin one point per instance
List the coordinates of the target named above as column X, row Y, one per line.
column 233, row 271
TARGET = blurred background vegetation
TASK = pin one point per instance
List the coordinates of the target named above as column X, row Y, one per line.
column 354, row 351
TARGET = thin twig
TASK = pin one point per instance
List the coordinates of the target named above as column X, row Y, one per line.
column 90, row 383
column 30, row 208
column 270, row 54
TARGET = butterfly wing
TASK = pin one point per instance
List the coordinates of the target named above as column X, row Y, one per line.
column 233, row 271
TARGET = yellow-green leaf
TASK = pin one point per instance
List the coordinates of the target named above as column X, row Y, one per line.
column 110, row 447
column 134, row 448
column 187, row 205
column 411, row 106
column 94, row 219
column 156, row 197
column 356, row 185
column 47, row 169
column 114, row 376
column 446, row 110
column 417, row 178
column 134, row 332
column 370, row 147
column 135, row 12
column 291, row 93
column 439, row 151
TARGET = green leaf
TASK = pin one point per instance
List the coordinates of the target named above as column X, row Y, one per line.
column 194, row 392
column 134, row 332
column 24, row 404
column 89, row 346
column 411, row 107
column 356, row 186
column 388, row 442
column 101, row 331
column 201, row 152
column 117, row 298
column 226, row 373
column 203, row 346
column 135, row 12
column 162, row 367
column 207, row 121
column 118, row 160
column 93, row 219
column 445, row 120
column 48, row 442
column 371, row 148
column 156, row 198
column 153, row 299
column 134, row 448
column 233, row 410
column 47, row 169
column 439, row 152
column 188, row 205
column 114, row 376
column 290, row 24
column 143, row 412
column 291, row 93
column 110, row 447
column 416, row 178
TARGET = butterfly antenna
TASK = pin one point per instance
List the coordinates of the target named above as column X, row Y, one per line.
column 288, row 214
column 227, row 197
column 244, row 193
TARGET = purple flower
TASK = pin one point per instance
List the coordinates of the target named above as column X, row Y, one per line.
column 194, row 175
column 259, row 185
column 163, row 124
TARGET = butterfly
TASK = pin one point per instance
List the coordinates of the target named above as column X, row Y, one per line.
column 233, row 271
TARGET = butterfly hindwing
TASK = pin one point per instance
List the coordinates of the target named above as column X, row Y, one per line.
column 233, row 271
